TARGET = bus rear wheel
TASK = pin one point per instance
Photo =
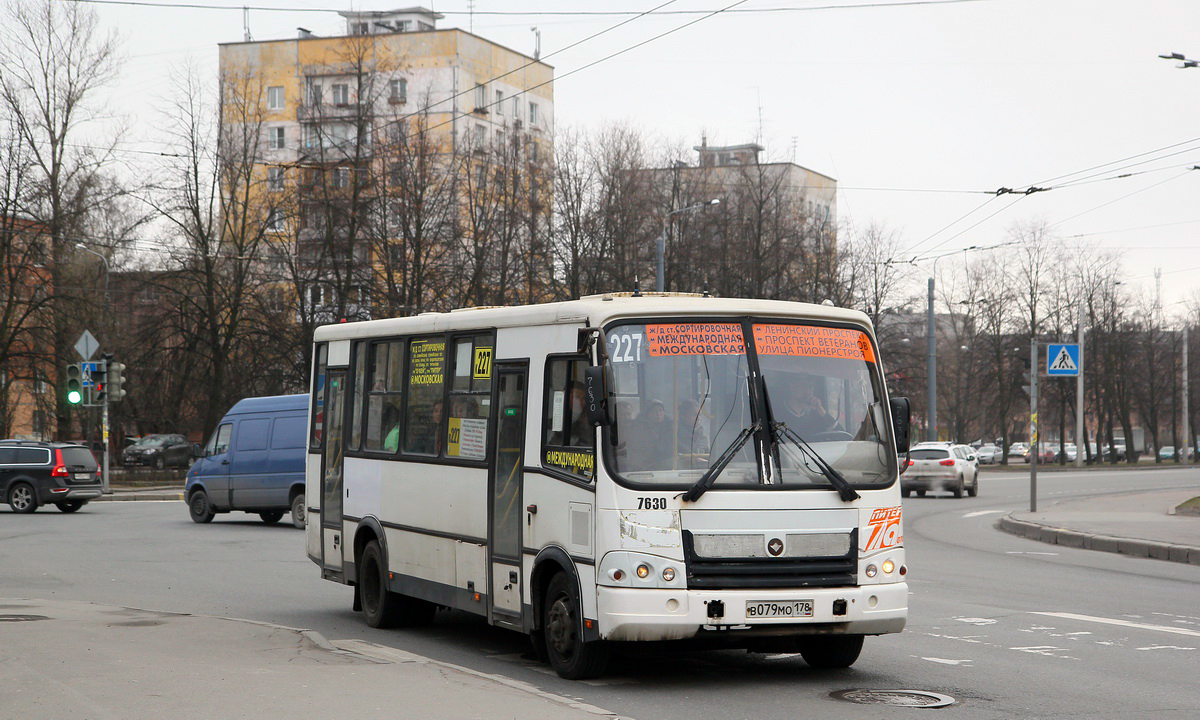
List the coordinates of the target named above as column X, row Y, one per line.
column 569, row 655
column 830, row 651
column 382, row 607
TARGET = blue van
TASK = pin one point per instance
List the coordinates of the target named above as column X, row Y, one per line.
column 254, row 462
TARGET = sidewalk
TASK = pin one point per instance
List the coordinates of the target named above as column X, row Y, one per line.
column 70, row 659
column 1142, row 524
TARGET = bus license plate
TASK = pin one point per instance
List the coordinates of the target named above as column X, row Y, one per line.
column 778, row 608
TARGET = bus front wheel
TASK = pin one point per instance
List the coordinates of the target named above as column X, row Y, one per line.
column 569, row 655
column 831, row 651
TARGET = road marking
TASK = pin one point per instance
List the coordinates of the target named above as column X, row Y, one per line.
column 977, row 513
column 1018, row 552
column 1122, row 623
column 1166, row 647
column 943, row 661
column 977, row 621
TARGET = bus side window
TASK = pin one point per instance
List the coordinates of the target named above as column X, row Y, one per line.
column 470, row 398
column 385, row 397
column 568, row 437
column 423, row 433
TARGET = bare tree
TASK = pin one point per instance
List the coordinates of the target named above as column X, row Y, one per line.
column 54, row 57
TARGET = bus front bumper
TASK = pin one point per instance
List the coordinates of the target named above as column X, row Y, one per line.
column 645, row 614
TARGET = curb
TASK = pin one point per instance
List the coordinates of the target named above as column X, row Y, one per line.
column 1103, row 543
column 131, row 496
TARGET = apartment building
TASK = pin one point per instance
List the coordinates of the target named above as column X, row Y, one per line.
column 335, row 115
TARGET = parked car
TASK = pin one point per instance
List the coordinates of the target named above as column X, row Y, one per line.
column 1045, row 455
column 1066, row 454
column 254, row 462
column 47, row 473
column 1018, row 451
column 941, row 467
column 160, row 451
column 989, row 454
column 1166, row 453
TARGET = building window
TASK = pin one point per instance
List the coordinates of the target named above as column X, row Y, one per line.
column 341, row 177
column 275, row 97
column 480, row 99
column 499, row 102
column 533, row 152
column 500, row 140
column 399, row 90
column 533, row 113
column 275, row 220
column 275, row 179
column 516, row 108
column 481, row 136
column 341, row 94
column 277, row 138
column 312, row 92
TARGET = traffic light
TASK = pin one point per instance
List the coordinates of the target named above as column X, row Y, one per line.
column 1027, row 376
column 115, row 387
column 100, row 377
column 74, row 384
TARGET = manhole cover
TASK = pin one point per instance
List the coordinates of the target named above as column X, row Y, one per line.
column 22, row 618
column 903, row 698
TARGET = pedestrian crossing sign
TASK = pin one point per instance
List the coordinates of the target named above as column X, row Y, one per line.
column 1062, row 359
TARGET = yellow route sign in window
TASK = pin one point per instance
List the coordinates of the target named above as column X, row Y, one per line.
column 483, row 363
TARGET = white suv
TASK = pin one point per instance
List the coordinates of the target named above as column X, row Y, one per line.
column 940, row 466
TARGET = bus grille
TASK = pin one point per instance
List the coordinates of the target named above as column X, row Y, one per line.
column 761, row 570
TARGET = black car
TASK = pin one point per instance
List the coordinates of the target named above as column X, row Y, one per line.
column 47, row 473
column 159, row 451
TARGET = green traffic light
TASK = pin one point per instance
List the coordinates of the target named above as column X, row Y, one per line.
column 74, row 397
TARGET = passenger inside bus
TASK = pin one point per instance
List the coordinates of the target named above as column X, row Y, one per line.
column 653, row 439
column 425, row 437
column 804, row 412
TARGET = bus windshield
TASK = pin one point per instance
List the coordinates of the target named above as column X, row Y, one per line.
column 686, row 394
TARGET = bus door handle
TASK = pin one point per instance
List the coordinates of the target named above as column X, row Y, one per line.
column 532, row 510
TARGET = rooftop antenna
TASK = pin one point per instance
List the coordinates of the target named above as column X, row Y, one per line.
column 537, row 43
column 471, row 16
column 246, row 23
column 795, row 142
column 706, row 293
column 637, row 287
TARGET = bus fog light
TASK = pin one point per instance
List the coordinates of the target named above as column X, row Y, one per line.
column 872, row 571
column 643, row 571
column 873, row 601
column 888, row 567
column 668, row 574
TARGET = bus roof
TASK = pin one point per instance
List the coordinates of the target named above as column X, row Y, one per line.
column 592, row 310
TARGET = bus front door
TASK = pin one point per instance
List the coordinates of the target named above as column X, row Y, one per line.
column 505, row 495
column 331, row 473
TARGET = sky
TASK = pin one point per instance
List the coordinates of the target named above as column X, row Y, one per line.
column 921, row 110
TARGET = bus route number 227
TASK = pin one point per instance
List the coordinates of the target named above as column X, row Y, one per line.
column 626, row 347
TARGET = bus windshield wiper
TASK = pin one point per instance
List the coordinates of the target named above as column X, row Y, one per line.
column 707, row 479
column 835, row 478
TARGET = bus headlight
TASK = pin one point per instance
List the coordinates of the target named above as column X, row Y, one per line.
column 633, row 569
column 643, row 571
column 872, row 571
column 668, row 574
column 888, row 567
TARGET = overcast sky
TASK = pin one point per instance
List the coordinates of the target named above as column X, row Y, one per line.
column 918, row 109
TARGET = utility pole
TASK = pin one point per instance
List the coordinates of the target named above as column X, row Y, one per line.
column 931, row 364
column 1079, row 395
column 1033, row 424
column 1187, row 429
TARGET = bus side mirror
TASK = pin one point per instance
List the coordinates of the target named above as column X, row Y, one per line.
column 901, row 415
column 595, row 395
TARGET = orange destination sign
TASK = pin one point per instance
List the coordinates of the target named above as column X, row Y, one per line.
column 695, row 339
column 809, row 341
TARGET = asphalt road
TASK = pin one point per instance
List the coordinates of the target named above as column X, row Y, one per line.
column 1008, row 627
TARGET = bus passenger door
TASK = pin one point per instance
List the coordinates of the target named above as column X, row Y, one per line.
column 505, row 495
column 331, row 472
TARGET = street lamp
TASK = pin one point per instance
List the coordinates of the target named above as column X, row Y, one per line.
column 661, row 243
column 1183, row 61
column 104, row 260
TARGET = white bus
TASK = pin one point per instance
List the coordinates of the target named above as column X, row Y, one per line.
column 654, row 467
